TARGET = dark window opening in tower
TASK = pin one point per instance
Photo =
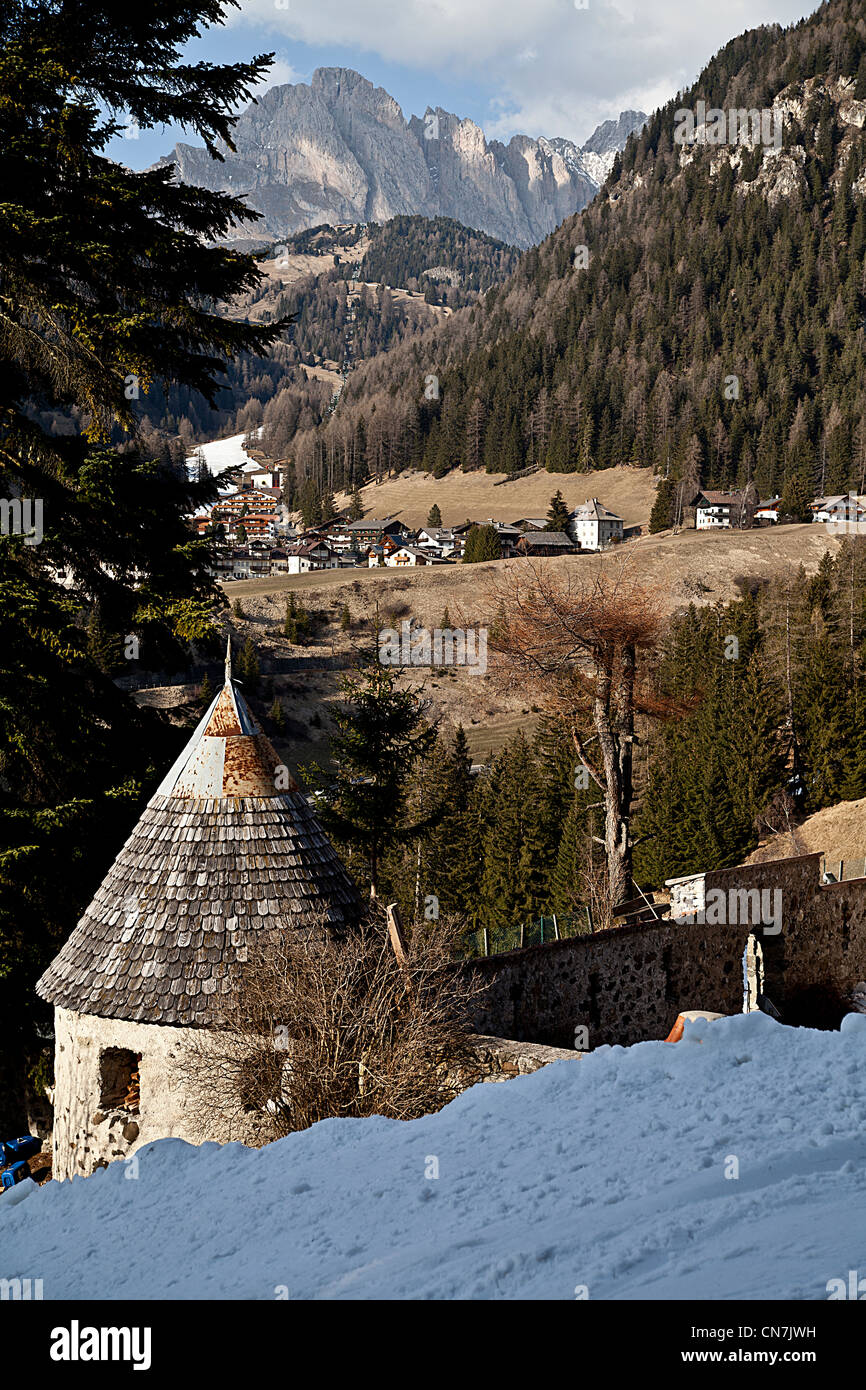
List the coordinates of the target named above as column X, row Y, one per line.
column 119, row 1079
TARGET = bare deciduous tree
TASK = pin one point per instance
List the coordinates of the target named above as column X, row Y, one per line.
column 581, row 643
column 321, row 1026
column 779, row 819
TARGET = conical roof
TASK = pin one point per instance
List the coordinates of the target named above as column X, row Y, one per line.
column 227, row 850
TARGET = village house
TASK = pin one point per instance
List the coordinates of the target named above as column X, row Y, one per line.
column 257, row 526
column 264, row 501
column 360, row 535
column 507, row 535
column 723, row 510
column 224, row 563
column 409, row 555
column 458, row 539
column 767, row 513
column 304, row 556
column 263, row 476
column 593, row 526
column 250, row 562
column 336, row 535
column 379, row 554
column 227, row 855
column 259, row 512
column 439, row 540
column 545, row 543
column 843, row 508
column 259, row 561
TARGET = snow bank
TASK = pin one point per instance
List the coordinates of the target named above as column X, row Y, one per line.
column 607, row 1172
column 221, row 454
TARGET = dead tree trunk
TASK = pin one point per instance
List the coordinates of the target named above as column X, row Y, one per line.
column 584, row 647
column 613, row 719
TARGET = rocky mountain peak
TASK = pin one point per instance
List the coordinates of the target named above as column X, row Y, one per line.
column 340, row 150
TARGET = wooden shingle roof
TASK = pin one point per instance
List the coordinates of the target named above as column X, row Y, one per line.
column 219, row 859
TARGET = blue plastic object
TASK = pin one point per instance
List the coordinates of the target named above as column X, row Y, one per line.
column 16, row 1173
column 13, row 1149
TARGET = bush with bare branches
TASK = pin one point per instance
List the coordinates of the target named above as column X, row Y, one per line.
column 321, row 1026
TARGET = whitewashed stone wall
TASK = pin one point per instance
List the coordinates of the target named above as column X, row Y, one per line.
column 86, row 1135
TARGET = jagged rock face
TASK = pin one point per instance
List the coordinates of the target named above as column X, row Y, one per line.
column 595, row 158
column 611, row 136
column 339, row 150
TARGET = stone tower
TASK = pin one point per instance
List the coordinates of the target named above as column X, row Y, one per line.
column 226, row 852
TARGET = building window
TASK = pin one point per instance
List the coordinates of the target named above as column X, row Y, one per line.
column 119, row 1079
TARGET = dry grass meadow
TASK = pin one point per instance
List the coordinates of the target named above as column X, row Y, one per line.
column 486, row 496
column 670, row 564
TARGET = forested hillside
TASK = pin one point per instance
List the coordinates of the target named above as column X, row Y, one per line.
column 717, row 330
column 768, row 693
column 462, row 264
column 446, row 262
column 778, row 681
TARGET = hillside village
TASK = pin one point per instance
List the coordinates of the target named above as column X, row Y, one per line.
column 432, row 740
column 256, row 536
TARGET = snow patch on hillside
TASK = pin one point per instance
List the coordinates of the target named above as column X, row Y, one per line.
column 221, row 454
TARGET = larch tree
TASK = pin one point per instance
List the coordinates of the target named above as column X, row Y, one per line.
column 581, row 646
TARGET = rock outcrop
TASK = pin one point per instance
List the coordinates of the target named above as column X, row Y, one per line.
column 340, row 150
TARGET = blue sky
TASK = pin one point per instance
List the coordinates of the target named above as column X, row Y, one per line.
column 536, row 67
column 295, row 62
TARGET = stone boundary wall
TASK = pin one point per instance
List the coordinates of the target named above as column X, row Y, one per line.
column 628, row 984
column 498, row 1059
column 491, row 1059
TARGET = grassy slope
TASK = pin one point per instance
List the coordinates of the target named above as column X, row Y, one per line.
column 665, row 562
column 838, row 832
column 627, row 491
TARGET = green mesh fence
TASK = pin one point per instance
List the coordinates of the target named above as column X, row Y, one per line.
column 496, row 940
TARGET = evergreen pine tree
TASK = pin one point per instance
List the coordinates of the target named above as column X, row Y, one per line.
column 206, row 691
column 248, row 666
column 558, row 515
column 482, row 543
column 512, row 884
column 661, row 515
column 823, row 722
column 455, row 850
column 565, row 894
column 381, row 732
column 111, row 282
column 297, row 626
column 290, row 625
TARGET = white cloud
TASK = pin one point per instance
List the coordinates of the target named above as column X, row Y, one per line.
column 555, row 69
column 280, row 72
